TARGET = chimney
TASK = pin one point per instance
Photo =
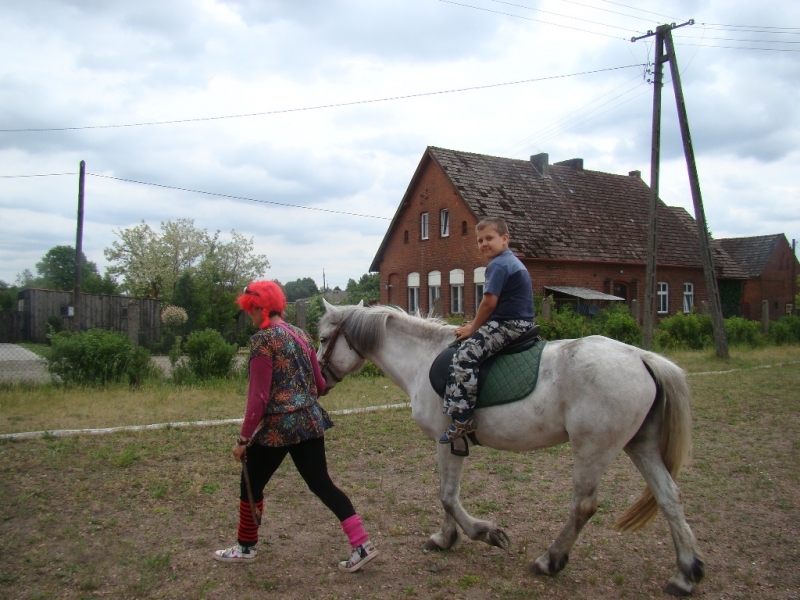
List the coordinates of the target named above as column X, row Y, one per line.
column 540, row 163
column 572, row 163
column 635, row 174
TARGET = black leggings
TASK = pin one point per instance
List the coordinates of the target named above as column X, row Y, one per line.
column 309, row 458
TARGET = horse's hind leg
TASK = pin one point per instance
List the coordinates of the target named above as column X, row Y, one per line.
column 645, row 454
column 589, row 469
column 450, row 470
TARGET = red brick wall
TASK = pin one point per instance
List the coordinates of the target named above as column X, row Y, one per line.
column 774, row 285
column 432, row 193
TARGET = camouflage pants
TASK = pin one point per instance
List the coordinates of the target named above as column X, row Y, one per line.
column 461, row 392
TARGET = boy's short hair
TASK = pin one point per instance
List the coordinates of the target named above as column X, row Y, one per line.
column 496, row 223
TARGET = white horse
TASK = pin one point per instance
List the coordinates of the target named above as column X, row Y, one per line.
column 601, row 395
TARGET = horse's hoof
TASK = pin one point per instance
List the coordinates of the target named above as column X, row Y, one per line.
column 677, row 588
column 499, row 538
column 430, row 546
column 541, row 566
column 698, row 570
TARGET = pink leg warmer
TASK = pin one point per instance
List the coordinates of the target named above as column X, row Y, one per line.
column 354, row 530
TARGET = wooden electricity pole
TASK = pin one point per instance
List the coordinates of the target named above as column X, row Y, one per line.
column 76, row 295
column 655, row 161
column 664, row 37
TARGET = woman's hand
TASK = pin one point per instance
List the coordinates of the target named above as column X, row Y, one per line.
column 239, row 452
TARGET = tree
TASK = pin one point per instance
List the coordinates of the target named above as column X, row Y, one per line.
column 368, row 289
column 300, row 288
column 8, row 296
column 151, row 263
column 57, row 271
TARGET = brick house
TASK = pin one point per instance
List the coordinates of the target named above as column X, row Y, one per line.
column 767, row 260
column 573, row 229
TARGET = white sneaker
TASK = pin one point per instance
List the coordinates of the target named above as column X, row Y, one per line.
column 237, row 553
column 361, row 556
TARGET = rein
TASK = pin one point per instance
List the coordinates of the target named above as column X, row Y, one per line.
column 326, row 356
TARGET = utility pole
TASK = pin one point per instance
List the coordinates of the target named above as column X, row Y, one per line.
column 794, row 279
column 76, row 295
column 664, row 37
column 655, row 161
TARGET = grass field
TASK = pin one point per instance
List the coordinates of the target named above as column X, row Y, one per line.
column 137, row 514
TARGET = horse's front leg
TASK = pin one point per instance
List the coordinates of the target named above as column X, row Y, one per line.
column 450, row 470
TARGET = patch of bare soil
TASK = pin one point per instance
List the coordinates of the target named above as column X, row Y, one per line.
column 139, row 515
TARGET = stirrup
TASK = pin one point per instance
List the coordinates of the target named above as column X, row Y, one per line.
column 458, row 430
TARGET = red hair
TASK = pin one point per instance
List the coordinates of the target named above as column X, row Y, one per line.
column 266, row 295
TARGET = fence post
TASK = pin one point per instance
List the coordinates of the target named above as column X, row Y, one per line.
column 635, row 311
column 133, row 322
column 546, row 309
column 765, row 317
column 300, row 314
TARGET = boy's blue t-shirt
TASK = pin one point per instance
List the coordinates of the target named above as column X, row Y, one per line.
column 508, row 279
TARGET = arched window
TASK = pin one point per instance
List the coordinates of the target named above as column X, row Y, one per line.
column 479, row 277
column 413, row 292
column 434, row 289
column 457, row 291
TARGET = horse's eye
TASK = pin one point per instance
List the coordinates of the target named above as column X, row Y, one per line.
column 322, row 340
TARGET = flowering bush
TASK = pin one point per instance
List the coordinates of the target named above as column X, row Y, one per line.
column 174, row 316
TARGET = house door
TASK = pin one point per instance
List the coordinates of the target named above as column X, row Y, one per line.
column 621, row 290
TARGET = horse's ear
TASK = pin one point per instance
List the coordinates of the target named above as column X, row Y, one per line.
column 329, row 308
column 360, row 303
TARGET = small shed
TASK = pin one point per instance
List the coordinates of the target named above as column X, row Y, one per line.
column 138, row 318
column 583, row 300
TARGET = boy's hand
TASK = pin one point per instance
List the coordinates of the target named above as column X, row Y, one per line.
column 464, row 331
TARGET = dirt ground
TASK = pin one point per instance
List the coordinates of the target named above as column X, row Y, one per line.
column 138, row 515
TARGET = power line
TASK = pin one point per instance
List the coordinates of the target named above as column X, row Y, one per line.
column 498, row 12
column 36, row 175
column 319, row 107
column 742, row 47
column 232, row 197
column 557, row 14
column 613, row 12
column 641, row 10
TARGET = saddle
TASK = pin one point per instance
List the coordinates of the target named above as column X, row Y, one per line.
column 497, row 383
column 508, row 376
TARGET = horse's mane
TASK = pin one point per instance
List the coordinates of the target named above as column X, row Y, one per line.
column 366, row 326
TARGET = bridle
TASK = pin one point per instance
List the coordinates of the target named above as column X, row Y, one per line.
column 326, row 356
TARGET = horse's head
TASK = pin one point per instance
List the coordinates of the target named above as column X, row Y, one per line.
column 337, row 354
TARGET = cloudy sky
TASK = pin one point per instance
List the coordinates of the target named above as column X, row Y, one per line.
column 319, row 112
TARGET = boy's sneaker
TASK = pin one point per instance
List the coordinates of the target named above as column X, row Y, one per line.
column 457, row 430
column 237, row 553
column 361, row 556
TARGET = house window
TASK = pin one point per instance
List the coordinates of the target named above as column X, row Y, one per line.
column 413, row 292
column 663, row 297
column 423, row 226
column 434, row 289
column 444, row 223
column 479, row 277
column 405, row 236
column 457, row 291
column 463, row 228
column 688, row 297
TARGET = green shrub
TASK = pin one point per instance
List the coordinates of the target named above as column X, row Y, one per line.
column 741, row 332
column 785, row 330
column 616, row 322
column 209, row 355
column 55, row 324
column 691, row 331
column 98, row 357
column 565, row 324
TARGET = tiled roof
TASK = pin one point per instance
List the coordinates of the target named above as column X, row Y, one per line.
column 574, row 213
column 752, row 253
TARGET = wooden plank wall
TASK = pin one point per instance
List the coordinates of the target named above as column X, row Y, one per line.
column 96, row 311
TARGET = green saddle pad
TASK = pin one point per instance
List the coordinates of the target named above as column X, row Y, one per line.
column 509, row 377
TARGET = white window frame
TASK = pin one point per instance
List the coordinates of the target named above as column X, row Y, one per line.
column 663, row 297
column 423, row 226
column 456, row 299
column 434, row 288
column 457, row 292
column 688, row 297
column 444, row 223
column 479, row 277
column 413, row 292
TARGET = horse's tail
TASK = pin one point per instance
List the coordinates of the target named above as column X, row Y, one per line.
column 673, row 397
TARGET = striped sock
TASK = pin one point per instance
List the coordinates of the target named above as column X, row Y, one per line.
column 248, row 530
